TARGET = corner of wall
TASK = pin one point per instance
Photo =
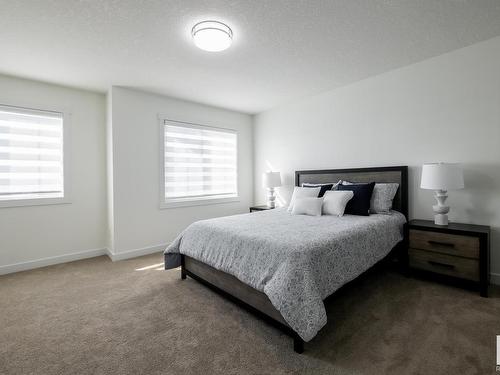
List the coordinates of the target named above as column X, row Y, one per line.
column 254, row 153
column 110, row 238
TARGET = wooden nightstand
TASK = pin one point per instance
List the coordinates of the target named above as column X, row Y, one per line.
column 259, row 208
column 456, row 252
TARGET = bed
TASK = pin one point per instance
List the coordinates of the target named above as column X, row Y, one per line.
column 282, row 266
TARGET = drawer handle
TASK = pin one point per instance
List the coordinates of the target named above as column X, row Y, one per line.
column 443, row 265
column 445, row 244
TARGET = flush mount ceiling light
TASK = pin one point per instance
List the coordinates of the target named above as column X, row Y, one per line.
column 212, row 36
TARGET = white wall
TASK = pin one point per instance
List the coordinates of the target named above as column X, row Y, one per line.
column 443, row 109
column 30, row 235
column 140, row 226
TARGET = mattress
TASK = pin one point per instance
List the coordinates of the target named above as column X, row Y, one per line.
column 296, row 260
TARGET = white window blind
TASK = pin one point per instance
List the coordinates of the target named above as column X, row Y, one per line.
column 31, row 154
column 200, row 162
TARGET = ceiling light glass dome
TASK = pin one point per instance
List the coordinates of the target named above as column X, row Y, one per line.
column 212, row 36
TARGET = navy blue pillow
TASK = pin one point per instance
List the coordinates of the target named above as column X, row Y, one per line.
column 322, row 191
column 360, row 203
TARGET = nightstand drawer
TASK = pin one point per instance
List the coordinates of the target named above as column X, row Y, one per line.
column 446, row 243
column 444, row 264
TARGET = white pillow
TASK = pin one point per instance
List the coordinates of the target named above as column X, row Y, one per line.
column 334, row 202
column 307, row 206
column 303, row 192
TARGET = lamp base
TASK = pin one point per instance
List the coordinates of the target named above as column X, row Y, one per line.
column 271, row 198
column 440, row 209
column 441, row 219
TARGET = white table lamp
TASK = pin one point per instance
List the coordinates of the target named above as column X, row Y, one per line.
column 271, row 180
column 441, row 177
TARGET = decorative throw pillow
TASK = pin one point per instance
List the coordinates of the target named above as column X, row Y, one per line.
column 382, row 197
column 360, row 203
column 302, row 192
column 324, row 187
column 307, row 206
column 334, row 202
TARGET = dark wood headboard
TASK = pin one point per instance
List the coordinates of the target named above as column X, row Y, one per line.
column 375, row 174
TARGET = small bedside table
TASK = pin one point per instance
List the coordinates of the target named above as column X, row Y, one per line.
column 260, row 208
column 454, row 252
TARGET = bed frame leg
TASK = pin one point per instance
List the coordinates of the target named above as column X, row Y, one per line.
column 298, row 345
column 183, row 268
column 403, row 252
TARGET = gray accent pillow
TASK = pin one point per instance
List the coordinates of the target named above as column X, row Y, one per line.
column 382, row 197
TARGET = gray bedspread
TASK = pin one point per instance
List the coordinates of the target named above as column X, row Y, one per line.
column 296, row 260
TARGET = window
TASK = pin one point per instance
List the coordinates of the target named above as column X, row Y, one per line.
column 199, row 164
column 31, row 156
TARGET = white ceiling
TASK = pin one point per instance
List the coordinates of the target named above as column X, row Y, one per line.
column 283, row 49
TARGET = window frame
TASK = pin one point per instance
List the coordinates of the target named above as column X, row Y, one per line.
column 66, row 198
column 199, row 200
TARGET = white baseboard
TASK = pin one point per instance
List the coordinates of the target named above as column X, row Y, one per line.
column 122, row 255
column 114, row 256
column 49, row 261
column 495, row 278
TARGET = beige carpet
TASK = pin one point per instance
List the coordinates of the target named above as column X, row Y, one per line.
column 99, row 317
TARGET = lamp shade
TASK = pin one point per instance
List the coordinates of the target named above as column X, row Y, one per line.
column 442, row 176
column 271, row 179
